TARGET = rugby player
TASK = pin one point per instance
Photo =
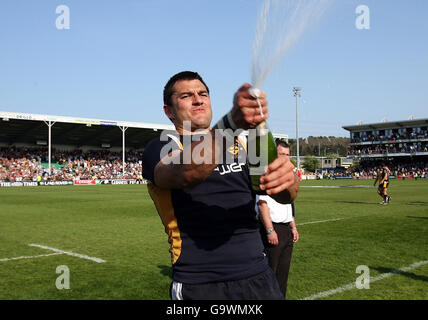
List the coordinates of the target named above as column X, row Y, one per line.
column 207, row 206
column 383, row 178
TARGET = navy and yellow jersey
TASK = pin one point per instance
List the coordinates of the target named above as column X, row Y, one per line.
column 212, row 227
column 385, row 175
column 385, row 178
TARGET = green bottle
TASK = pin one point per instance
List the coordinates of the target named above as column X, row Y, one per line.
column 261, row 149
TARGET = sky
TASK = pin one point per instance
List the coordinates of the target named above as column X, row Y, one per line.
column 115, row 58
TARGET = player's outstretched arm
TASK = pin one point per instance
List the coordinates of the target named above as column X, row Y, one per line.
column 178, row 170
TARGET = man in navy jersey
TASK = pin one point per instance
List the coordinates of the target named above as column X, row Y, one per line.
column 206, row 202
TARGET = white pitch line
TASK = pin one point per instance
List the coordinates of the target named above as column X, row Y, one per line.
column 377, row 278
column 320, row 221
column 82, row 256
column 30, row 257
column 335, row 187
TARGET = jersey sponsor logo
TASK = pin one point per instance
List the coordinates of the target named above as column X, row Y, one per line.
column 229, row 168
column 235, row 149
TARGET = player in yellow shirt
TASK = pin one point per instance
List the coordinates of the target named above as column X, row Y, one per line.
column 383, row 178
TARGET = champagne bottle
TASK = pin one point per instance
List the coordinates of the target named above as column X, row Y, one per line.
column 261, row 149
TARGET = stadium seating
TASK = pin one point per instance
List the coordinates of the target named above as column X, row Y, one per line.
column 26, row 164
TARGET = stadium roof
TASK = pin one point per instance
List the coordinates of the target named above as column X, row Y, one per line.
column 16, row 127
column 26, row 128
column 387, row 125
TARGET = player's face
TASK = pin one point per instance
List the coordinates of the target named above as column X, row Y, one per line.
column 190, row 102
column 283, row 152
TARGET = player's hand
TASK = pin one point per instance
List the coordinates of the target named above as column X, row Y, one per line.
column 295, row 234
column 280, row 175
column 273, row 238
column 246, row 112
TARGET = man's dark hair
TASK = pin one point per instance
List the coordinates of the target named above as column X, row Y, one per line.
column 282, row 143
column 184, row 75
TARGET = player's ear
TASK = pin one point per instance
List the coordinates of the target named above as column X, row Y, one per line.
column 169, row 112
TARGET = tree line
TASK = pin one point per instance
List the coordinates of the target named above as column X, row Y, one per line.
column 322, row 146
column 312, row 147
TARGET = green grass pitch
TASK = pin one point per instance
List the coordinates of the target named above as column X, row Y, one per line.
column 340, row 228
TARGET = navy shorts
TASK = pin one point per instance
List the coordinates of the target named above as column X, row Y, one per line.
column 262, row 286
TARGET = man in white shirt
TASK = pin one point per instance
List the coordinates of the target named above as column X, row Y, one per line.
column 281, row 232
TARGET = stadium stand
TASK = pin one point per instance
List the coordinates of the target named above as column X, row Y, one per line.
column 26, row 164
column 389, row 139
column 79, row 148
column 402, row 145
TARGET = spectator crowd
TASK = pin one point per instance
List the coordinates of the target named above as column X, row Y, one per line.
column 29, row 164
column 398, row 168
column 389, row 148
column 394, row 136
